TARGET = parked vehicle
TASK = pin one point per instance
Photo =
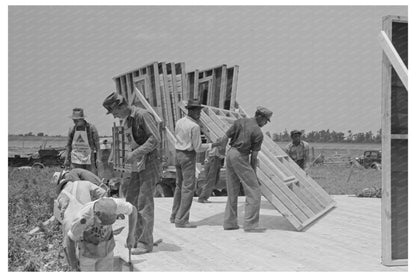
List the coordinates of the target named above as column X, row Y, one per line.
column 370, row 159
column 44, row 157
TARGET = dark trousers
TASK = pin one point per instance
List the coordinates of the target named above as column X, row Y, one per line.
column 240, row 170
column 140, row 194
column 185, row 186
column 212, row 173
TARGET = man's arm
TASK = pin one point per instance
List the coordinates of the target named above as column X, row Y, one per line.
column 306, row 156
column 197, row 142
column 253, row 160
column 71, row 253
column 96, row 141
column 68, row 147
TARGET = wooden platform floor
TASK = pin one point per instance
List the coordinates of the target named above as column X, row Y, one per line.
column 348, row 238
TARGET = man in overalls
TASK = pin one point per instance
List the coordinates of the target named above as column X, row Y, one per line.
column 298, row 149
column 91, row 235
column 83, row 142
column 143, row 139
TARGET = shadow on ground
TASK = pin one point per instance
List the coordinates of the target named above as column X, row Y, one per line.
column 273, row 222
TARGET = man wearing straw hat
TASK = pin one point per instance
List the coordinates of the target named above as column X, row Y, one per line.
column 83, row 144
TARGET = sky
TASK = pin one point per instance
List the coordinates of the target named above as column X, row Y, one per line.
column 315, row 67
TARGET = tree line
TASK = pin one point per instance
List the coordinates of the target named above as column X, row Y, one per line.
column 330, row 136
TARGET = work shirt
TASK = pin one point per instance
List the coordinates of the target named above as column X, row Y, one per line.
column 86, row 226
column 142, row 133
column 246, row 135
column 188, row 136
column 83, row 191
column 298, row 152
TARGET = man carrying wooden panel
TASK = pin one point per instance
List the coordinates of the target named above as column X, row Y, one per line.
column 143, row 139
column 246, row 138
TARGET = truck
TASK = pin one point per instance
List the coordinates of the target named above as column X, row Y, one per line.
column 161, row 87
column 370, row 159
column 44, row 157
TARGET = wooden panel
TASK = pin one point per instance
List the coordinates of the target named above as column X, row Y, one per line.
column 394, row 148
column 298, row 196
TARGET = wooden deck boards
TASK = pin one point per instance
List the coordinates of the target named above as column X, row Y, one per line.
column 346, row 239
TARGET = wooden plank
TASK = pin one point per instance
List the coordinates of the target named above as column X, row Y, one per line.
column 169, row 120
column 132, row 70
column 185, row 93
column 151, row 73
column 234, row 88
column 394, row 58
column 157, row 88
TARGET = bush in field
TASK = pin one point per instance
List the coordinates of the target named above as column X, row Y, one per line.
column 31, row 203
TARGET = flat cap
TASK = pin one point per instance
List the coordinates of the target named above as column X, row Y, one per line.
column 265, row 112
column 112, row 100
column 295, row 132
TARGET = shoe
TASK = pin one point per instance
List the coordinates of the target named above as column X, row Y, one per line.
column 139, row 251
column 203, row 201
column 186, row 225
column 255, row 230
column 231, row 228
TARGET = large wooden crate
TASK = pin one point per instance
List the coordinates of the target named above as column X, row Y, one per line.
column 395, row 148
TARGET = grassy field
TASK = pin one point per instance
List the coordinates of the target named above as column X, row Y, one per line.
column 31, row 203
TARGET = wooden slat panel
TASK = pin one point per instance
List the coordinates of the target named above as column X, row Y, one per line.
column 300, row 199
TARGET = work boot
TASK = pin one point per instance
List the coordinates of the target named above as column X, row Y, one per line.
column 203, row 201
column 186, row 225
column 231, row 228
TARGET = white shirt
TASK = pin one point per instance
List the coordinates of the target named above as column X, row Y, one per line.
column 188, row 136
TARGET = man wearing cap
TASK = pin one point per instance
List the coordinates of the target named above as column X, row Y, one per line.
column 91, row 232
column 212, row 166
column 188, row 143
column 246, row 138
column 143, row 139
column 83, row 144
column 298, row 149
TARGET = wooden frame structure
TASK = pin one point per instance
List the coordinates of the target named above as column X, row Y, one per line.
column 394, row 211
column 284, row 184
column 216, row 87
column 161, row 86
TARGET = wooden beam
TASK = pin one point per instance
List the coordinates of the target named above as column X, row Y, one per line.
column 394, row 58
column 223, row 87
column 234, row 88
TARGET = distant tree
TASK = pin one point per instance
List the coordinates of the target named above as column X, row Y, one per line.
column 285, row 136
column 41, row 134
column 275, row 137
column 268, row 134
column 29, row 134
